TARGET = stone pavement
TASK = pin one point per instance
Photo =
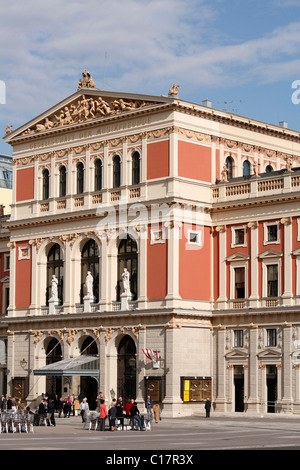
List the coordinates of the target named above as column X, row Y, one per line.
column 185, row 435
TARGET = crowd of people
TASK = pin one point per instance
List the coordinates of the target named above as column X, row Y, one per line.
column 73, row 405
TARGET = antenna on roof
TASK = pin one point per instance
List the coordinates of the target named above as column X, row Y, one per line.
column 226, row 103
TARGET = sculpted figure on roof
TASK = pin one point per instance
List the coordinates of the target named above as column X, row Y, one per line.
column 86, row 81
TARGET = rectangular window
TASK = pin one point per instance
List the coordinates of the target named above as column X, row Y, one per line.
column 238, row 338
column 239, row 236
column 271, row 337
column 272, row 231
column 272, row 280
column 239, row 283
column 6, row 262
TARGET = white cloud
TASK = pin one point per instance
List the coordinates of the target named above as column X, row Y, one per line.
column 130, row 45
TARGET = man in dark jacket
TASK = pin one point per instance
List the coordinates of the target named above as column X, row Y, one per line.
column 136, row 415
column 207, row 407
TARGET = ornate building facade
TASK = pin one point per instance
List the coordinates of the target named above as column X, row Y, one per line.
column 200, row 209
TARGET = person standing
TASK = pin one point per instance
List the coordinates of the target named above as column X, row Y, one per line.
column 84, row 409
column 76, row 406
column 51, row 409
column 112, row 413
column 207, row 407
column 103, row 414
column 156, row 412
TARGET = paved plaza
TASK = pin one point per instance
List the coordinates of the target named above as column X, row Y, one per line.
column 179, row 436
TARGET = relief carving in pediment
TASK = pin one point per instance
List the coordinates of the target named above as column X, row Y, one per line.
column 86, row 108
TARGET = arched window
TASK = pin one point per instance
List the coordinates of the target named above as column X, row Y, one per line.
column 62, row 181
column 80, row 178
column 116, row 171
column 269, row 169
column 229, row 166
column 46, row 186
column 136, row 168
column 55, row 267
column 246, row 169
column 90, row 262
column 128, row 258
column 89, row 347
column 98, row 174
column 126, row 373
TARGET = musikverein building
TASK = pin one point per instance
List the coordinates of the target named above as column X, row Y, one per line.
column 154, row 249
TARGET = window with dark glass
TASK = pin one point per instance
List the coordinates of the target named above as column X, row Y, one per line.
column 80, row 178
column 55, row 267
column 128, row 258
column 136, row 168
column 239, row 283
column 269, row 169
column 272, row 280
column 238, row 338
column 98, row 175
column 62, row 181
column 271, row 337
column 46, row 186
column 239, row 236
column 90, row 262
column 272, row 231
column 246, row 169
column 229, row 166
column 116, row 171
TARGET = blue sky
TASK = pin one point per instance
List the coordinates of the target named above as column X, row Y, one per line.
column 244, row 55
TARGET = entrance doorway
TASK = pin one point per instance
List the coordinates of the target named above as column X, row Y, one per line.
column 127, row 369
column 89, row 385
column 271, row 388
column 53, row 354
column 239, row 388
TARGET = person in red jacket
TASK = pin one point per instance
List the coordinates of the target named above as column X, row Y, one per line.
column 103, row 414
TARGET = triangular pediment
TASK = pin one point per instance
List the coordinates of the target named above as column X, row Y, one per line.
column 271, row 253
column 296, row 252
column 269, row 354
column 86, row 105
column 238, row 256
column 236, row 354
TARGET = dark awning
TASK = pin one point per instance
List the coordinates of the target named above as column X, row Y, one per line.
column 81, row 365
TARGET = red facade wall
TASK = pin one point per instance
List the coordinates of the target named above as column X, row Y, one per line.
column 194, row 266
column 25, row 184
column 194, row 161
column 158, row 160
column 157, row 269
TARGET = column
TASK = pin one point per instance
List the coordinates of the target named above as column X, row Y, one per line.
column 222, row 266
column 104, row 296
column 286, row 383
column 173, row 164
column 140, row 371
column 68, row 300
column 252, row 390
column 287, row 259
column 12, row 275
column 174, row 228
column 221, row 369
column 142, row 267
column 254, row 297
column 33, row 256
column 102, row 362
column 172, row 402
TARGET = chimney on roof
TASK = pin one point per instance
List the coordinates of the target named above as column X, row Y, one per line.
column 207, row 103
column 283, row 124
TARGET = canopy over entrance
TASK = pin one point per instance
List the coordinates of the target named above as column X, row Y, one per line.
column 83, row 366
